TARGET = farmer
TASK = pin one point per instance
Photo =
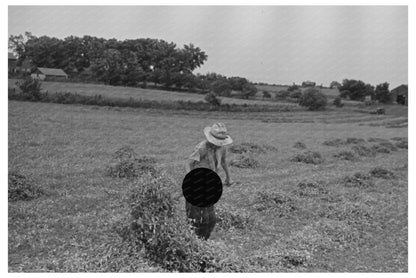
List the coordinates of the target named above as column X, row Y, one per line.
column 208, row 154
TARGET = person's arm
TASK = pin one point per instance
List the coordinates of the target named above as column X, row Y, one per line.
column 224, row 165
column 189, row 165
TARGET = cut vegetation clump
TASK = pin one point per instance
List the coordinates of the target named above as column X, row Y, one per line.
column 251, row 147
column 334, row 142
column 128, row 165
column 340, row 142
column 358, row 180
column 382, row 173
column 308, row 157
column 166, row 236
column 377, row 140
column 228, row 219
column 365, row 151
column 353, row 140
column 401, row 144
column 346, row 155
column 244, row 161
column 388, row 145
column 22, row 188
column 380, row 149
column 280, row 204
column 299, row 145
column 310, row 189
column 351, row 213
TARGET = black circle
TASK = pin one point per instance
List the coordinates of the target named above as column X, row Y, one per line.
column 202, row 187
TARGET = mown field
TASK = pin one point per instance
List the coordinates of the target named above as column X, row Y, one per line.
column 301, row 217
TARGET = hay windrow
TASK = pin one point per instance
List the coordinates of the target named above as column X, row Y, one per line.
column 308, row 157
column 22, row 188
column 358, row 180
column 244, row 161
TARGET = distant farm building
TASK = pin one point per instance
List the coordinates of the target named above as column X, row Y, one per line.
column 400, row 94
column 49, row 74
column 308, row 84
column 12, row 59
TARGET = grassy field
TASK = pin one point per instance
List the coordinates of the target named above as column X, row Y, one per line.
column 331, row 227
column 137, row 93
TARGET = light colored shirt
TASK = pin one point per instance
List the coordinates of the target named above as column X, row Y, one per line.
column 205, row 156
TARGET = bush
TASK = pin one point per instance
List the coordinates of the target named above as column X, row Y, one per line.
column 313, row 99
column 308, row 157
column 221, row 88
column 212, row 99
column 337, row 102
column 30, row 88
column 282, row 94
column 266, row 94
column 129, row 165
column 299, row 145
column 293, row 88
column 358, row 180
column 168, row 238
column 278, row 203
column 297, row 94
column 379, row 172
column 22, row 188
column 243, row 161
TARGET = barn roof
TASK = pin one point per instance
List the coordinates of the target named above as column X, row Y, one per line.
column 402, row 89
column 11, row 56
column 54, row 72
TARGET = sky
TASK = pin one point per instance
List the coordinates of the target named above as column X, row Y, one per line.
column 272, row 44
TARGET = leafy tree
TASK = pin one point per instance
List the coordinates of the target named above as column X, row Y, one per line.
column 382, row 93
column 356, row 89
column 334, row 84
column 221, row 87
column 313, row 99
column 266, row 94
column 292, row 88
column 212, row 99
column 249, row 90
column 337, row 102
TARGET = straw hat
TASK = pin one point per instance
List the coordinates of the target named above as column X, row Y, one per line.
column 217, row 134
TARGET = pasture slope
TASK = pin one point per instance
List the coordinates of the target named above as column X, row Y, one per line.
column 320, row 222
column 137, row 93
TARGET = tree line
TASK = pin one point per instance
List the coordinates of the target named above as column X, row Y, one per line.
column 131, row 62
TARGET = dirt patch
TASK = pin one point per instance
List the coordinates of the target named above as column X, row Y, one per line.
column 308, row 157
